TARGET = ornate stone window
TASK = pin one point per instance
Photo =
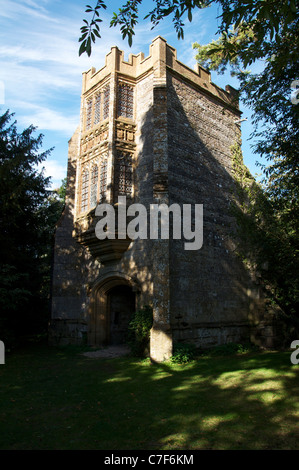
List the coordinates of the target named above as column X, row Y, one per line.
column 123, row 179
column 97, row 109
column 84, row 190
column 94, row 185
column 88, row 113
column 125, row 100
column 106, row 99
column 103, row 178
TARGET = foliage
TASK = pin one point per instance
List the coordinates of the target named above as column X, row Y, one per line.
column 27, row 216
column 183, row 353
column 231, row 349
column 275, row 117
column 139, row 330
column 52, row 208
column 249, row 29
column 89, row 31
column 265, row 19
column 267, row 241
column 127, row 18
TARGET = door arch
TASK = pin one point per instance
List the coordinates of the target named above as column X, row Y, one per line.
column 120, row 307
column 113, row 300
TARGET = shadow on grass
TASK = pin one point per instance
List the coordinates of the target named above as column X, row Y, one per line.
column 59, row 399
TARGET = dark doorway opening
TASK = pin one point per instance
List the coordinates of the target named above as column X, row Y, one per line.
column 121, row 306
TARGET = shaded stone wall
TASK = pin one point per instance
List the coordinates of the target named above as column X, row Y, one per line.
column 69, row 319
column 137, row 260
column 210, row 301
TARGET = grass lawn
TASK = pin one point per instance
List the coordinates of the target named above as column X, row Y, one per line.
column 60, row 399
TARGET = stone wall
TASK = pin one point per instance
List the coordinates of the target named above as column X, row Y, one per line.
column 73, row 269
column 209, row 287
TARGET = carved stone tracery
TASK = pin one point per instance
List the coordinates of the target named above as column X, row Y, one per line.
column 106, row 167
column 123, row 176
column 95, row 137
column 125, row 131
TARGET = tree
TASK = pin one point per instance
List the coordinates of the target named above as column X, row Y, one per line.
column 51, row 208
column 263, row 15
column 127, row 18
column 267, row 241
column 27, row 217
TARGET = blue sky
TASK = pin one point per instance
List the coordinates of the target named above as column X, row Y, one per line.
column 41, row 71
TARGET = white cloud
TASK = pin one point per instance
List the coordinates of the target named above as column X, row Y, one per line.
column 55, row 170
column 40, row 67
column 49, row 119
column 14, row 9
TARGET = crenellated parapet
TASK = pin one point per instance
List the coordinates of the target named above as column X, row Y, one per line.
column 161, row 56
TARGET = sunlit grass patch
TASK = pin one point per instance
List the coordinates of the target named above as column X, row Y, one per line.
column 58, row 399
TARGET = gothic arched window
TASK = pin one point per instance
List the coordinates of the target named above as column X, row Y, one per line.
column 106, row 102
column 88, row 113
column 94, row 186
column 97, row 109
column 125, row 100
column 123, row 174
column 103, row 179
column 84, row 190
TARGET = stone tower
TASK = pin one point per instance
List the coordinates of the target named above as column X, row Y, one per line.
column 154, row 131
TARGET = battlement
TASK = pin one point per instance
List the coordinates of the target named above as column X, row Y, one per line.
column 162, row 58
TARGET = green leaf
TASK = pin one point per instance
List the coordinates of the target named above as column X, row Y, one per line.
column 83, row 37
column 96, row 33
column 82, row 48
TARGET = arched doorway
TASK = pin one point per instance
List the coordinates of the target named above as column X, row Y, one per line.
column 121, row 306
column 113, row 301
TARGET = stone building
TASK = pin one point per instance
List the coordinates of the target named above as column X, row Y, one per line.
column 154, row 131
